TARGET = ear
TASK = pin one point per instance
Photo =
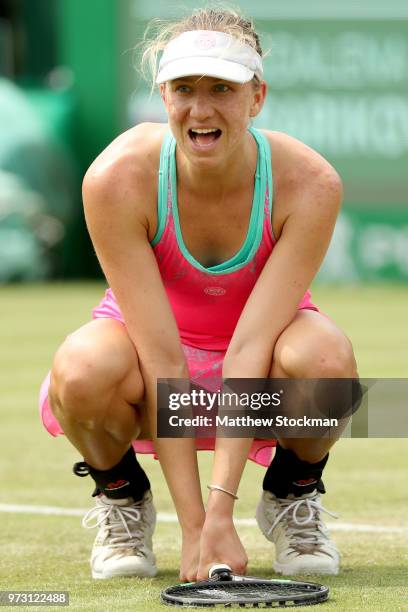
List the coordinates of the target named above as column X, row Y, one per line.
column 162, row 89
column 258, row 99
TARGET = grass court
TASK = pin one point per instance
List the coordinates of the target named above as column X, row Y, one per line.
column 366, row 479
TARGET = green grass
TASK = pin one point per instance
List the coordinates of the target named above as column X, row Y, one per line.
column 374, row 318
column 366, row 479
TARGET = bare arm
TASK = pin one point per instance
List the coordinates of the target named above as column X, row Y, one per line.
column 310, row 193
column 116, row 189
column 312, row 200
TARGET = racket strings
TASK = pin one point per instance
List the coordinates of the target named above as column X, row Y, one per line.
column 246, row 589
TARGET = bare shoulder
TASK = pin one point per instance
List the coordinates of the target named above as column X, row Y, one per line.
column 125, row 173
column 296, row 164
column 304, row 183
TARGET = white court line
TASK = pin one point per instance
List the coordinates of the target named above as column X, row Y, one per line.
column 165, row 517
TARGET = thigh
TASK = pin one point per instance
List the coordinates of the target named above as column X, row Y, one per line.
column 313, row 346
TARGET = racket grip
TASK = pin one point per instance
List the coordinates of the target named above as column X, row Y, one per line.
column 221, row 571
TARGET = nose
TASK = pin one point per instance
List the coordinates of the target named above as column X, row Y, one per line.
column 201, row 107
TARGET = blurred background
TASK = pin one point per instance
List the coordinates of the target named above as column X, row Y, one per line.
column 338, row 80
column 337, row 74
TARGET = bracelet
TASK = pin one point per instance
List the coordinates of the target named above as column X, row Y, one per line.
column 214, row 487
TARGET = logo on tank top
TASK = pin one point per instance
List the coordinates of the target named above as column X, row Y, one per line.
column 215, row 291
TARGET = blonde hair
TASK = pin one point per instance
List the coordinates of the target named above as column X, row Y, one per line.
column 159, row 33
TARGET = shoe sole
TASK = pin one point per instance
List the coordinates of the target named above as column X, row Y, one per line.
column 304, row 571
column 107, row 575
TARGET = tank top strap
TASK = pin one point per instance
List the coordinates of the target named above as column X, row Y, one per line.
column 263, row 195
column 265, row 168
column 166, row 153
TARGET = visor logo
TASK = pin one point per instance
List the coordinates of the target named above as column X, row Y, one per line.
column 206, row 41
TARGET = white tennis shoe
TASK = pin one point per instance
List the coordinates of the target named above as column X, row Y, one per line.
column 123, row 545
column 295, row 526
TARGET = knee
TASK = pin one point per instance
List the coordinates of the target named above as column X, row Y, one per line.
column 84, row 382
column 328, row 357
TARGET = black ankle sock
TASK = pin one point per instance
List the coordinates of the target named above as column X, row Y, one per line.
column 288, row 474
column 126, row 479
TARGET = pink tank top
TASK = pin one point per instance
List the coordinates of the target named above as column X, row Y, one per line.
column 207, row 302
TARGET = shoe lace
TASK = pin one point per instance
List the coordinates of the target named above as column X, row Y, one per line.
column 304, row 523
column 124, row 523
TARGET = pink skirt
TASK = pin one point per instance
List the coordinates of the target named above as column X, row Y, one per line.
column 202, row 364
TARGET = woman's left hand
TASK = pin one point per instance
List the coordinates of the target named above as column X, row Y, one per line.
column 220, row 543
column 190, row 555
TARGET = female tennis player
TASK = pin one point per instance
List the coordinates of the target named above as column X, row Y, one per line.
column 209, row 233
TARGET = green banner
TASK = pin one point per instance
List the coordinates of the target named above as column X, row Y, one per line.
column 338, row 80
column 337, row 74
column 368, row 245
column 342, row 88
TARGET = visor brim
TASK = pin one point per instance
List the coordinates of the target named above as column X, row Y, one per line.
column 205, row 66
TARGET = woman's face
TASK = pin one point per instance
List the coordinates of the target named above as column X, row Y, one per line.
column 209, row 117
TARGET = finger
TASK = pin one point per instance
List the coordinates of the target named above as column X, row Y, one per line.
column 202, row 572
column 241, row 569
column 187, row 578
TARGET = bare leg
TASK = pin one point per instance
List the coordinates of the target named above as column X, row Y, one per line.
column 290, row 511
column 312, row 347
column 95, row 385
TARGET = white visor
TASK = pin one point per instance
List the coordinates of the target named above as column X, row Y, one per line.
column 209, row 53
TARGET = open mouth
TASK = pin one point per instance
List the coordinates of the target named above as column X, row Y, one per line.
column 204, row 136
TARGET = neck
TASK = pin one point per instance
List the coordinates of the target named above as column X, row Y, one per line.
column 232, row 174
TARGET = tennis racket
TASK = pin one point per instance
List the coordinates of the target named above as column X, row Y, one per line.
column 223, row 588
